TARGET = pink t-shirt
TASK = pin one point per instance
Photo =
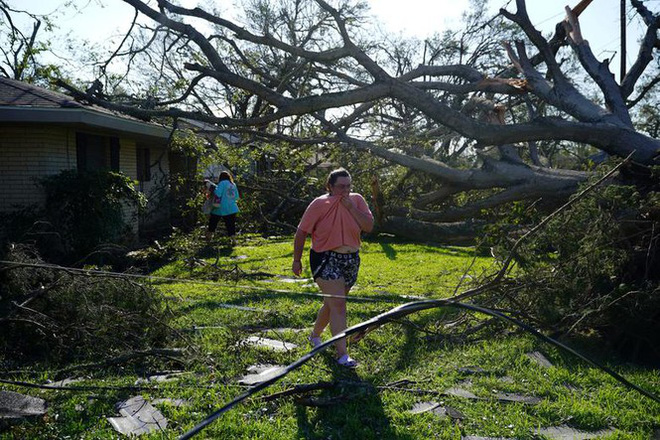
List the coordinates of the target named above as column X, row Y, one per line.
column 331, row 224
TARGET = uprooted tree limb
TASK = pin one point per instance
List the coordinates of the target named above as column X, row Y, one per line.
column 62, row 313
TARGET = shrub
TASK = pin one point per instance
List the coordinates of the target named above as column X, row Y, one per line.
column 595, row 268
column 86, row 209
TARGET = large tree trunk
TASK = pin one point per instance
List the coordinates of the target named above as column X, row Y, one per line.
column 459, row 233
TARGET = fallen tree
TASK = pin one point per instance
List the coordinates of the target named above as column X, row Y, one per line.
column 473, row 116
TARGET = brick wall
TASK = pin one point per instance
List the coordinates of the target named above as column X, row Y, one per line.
column 28, row 153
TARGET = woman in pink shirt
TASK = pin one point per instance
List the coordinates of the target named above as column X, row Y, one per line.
column 335, row 221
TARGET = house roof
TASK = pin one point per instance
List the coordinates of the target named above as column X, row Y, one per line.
column 22, row 102
column 204, row 128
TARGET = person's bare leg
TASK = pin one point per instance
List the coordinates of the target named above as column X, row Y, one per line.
column 322, row 320
column 337, row 309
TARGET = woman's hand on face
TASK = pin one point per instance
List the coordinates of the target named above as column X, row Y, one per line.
column 296, row 267
column 347, row 202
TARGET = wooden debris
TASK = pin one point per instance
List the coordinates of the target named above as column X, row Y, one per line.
column 300, row 389
column 65, row 382
column 137, row 417
column 540, row 359
column 437, row 409
column 164, row 377
column 259, row 373
column 272, row 344
column 422, row 407
column 565, row 432
column 461, row 392
column 16, row 406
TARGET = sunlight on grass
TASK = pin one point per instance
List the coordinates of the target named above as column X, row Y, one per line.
column 414, row 360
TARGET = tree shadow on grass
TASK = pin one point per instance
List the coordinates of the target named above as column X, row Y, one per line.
column 389, row 251
column 352, row 409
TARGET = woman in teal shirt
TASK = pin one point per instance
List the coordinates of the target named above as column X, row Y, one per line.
column 225, row 207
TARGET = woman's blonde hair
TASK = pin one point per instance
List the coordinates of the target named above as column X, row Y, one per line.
column 225, row 175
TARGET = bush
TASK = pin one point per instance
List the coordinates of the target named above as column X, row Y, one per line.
column 86, row 209
column 595, row 268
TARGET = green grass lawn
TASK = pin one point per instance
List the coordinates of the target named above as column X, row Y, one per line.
column 418, row 359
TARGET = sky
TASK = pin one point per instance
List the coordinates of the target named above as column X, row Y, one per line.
column 100, row 20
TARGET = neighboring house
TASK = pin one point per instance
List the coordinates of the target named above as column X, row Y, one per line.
column 44, row 132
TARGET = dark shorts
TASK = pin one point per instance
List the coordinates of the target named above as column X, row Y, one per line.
column 330, row 265
column 230, row 223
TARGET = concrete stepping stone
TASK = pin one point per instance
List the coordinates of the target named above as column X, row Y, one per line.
column 513, row 397
column 273, row 344
column 65, row 382
column 506, row 397
column 461, row 392
column 539, row 358
column 437, row 409
column 259, row 373
column 17, row 406
column 137, row 417
column 239, row 257
column 565, row 432
column 165, row 377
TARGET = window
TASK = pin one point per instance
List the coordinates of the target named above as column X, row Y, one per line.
column 143, row 162
column 95, row 152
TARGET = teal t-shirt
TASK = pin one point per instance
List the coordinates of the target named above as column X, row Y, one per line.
column 228, row 194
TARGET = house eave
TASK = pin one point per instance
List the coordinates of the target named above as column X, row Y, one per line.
column 83, row 117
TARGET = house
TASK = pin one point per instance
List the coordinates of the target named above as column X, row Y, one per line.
column 44, row 132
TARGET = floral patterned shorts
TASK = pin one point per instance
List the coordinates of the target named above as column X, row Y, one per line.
column 330, row 265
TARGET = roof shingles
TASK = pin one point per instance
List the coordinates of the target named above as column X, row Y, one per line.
column 20, row 94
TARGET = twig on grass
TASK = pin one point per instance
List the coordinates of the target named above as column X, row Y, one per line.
column 388, row 316
column 168, row 353
column 299, row 389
